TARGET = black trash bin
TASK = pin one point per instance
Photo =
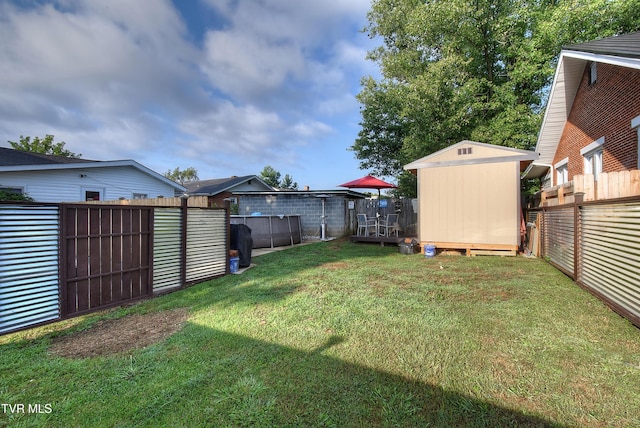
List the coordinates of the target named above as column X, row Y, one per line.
column 242, row 241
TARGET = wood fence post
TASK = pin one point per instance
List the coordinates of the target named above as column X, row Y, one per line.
column 184, row 210
column 579, row 197
column 227, row 215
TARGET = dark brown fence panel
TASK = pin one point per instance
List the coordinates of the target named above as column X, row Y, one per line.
column 108, row 256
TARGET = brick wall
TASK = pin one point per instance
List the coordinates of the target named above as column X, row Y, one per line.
column 604, row 109
column 308, row 207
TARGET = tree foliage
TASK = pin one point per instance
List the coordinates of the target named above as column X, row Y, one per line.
column 182, row 176
column 272, row 177
column 468, row 69
column 43, row 145
column 6, row 195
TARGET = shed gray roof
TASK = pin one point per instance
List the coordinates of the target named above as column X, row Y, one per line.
column 625, row 45
column 12, row 157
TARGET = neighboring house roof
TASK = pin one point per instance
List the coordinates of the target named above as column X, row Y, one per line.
column 308, row 193
column 17, row 160
column 218, row 185
column 12, row 157
column 623, row 51
column 488, row 153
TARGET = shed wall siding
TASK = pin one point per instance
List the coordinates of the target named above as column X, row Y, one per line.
column 68, row 186
column 470, row 204
column 604, row 109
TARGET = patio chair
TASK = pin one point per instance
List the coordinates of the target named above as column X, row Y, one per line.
column 390, row 225
column 366, row 225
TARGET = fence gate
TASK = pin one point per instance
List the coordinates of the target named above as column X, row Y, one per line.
column 107, row 256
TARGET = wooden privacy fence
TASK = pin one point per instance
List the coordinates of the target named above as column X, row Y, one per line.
column 405, row 208
column 611, row 185
column 62, row 260
column 597, row 244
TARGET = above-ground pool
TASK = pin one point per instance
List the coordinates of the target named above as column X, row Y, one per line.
column 272, row 230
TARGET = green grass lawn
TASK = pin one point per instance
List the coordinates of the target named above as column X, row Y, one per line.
column 341, row 334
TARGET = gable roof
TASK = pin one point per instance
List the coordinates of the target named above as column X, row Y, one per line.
column 623, row 51
column 483, row 153
column 219, row 185
column 18, row 160
column 12, row 157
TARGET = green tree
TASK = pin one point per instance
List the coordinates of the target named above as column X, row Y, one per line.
column 182, row 176
column 288, row 183
column 13, row 196
column 468, row 69
column 43, row 145
column 272, row 177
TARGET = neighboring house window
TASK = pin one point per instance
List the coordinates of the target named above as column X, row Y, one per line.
column 562, row 171
column 140, row 196
column 635, row 124
column 593, row 73
column 90, row 195
column 592, row 155
column 16, row 190
column 233, row 199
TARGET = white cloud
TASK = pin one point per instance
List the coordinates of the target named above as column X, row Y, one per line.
column 130, row 79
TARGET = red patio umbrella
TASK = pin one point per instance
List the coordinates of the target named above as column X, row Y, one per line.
column 369, row 182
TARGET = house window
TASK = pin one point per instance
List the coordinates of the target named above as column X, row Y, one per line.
column 140, row 196
column 90, row 195
column 593, row 73
column 592, row 155
column 562, row 171
column 16, row 190
column 635, row 124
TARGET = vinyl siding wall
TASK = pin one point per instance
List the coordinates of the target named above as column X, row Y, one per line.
column 69, row 186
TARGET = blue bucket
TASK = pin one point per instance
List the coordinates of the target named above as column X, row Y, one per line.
column 234, row 264
column 429, row 250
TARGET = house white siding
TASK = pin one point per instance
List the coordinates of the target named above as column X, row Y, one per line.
column 69, row 185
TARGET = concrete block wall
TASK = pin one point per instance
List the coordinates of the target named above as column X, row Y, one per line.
column 307, row 206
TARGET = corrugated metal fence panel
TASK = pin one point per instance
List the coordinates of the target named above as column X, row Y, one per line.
column 29, row 256
column 167, row 246
column 610, row 253
column 559, row 238
column 206, row 244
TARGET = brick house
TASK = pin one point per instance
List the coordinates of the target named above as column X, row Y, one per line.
column 592, row 121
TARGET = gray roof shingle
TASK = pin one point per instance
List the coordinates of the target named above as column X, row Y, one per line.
column 11, row 157
column 625, row 45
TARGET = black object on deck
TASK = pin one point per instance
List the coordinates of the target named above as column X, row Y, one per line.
column 242, row 241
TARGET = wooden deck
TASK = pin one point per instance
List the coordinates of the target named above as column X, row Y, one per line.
column 395, row 240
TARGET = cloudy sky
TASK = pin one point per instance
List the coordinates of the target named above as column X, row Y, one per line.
column 224, row 86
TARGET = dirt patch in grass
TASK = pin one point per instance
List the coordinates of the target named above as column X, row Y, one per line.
column 119, row 335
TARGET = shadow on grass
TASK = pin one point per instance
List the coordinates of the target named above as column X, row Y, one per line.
column 248, row 382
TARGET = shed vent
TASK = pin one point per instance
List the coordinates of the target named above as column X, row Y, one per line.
column 465, row 151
